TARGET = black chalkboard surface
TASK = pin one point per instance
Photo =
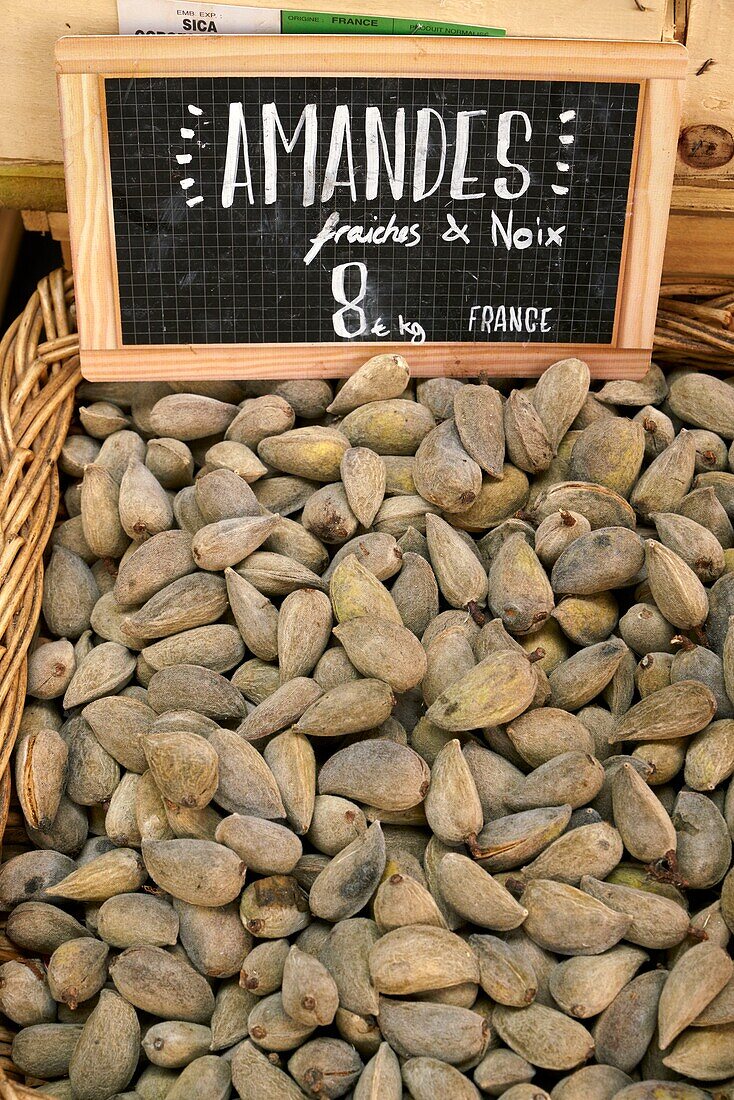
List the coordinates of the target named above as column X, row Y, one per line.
column 336, row 209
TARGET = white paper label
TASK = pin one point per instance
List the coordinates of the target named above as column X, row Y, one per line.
column 173, row 17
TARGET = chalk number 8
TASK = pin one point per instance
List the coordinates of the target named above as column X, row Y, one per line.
column 349, row 305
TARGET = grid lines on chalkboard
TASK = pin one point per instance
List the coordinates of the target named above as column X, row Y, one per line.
column 206, row 273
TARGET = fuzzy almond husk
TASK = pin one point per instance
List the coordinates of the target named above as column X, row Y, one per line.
column 162, row 984
column 184, row 766
column 675, row 587
column 567, row 921
column 363, row 476
column 120, row 871
column 543, row 1036
column 528, row 445
column 379, row 379
column 382, row 649
column 348, row 708
column 143, row 504
column 220, row 545
column 303, row 632
column 558, row 396
column 609, row 452
column 460, row 575
column 667, row 479
column 416, row 958
column 444, row 473
column 246, row 784
column 193, row 600
column 449, row 657
column 697, row 977
column 394, row 427
column 607, row 558
column 519, row 591
column 494, row 692
column 355, row 591
column 197, row 871
column 188, row 416
column 679, row 710
column 704, row 400
column 602, row 507
column 291, row 760
column 480, row 424
column 657, row 922
column 255, row 615
column 415, row 593
column 452, row 804
column 40, row 776
column 313, row 452
column 696, row 545
column 310, row 995
column 476, row 896
column 377, row 772
column 100, row 515
column 421, row 1029
column 159, row 561
column 642, row 821
column 350, row 879
column 194, row 687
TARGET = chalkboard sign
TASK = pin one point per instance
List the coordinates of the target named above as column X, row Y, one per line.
column 486, row 207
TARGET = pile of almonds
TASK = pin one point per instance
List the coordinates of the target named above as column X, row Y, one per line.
column 379, row 743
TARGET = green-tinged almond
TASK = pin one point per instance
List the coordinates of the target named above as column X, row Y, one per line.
column 460, row 576
column 313, row 452
column 480, row 424
column 255, row 615
column 696, row 545
column 356, row 591
column 676, row 711
column 556, row 532
column 608, row 557
column 348, row 708
column 594, row 850
column 538, row 735
column 380, row 648
column 498, row 499
column 476, row 896
column 378, row 772
column 543, row 1036
column 282, row 708
column 376, row 550
column 393, row 427
column 658, row 428
column 571, row 778
column 675, row 587
column 495, row 691
column 452, row 803
column 45, row 1050
column 709, row 758
column 253, row 1075
column 237, row 457
column 150, row 811
column 657, row 922
column 117, row 872
column 705, row 401
column 260, row 417
column 704, row 1054
column 222, row 494
column 587, row 620
column 310, row 995
column 565, row 920
column 587, row 984
column 77, row 970
column 291, row 760
column 350, row 878
column 519, row 591
column 444, row 473
column 303, row 631
column 600, row 506
column 667, row 479
column 415, row 593
column 398, row 514
column 274, row 907
column 609, row 452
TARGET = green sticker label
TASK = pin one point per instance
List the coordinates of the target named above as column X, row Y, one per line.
column 316, row 22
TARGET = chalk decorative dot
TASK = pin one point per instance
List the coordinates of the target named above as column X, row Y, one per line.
column 193, row 110
column 183, row 158
column 195, row 201
column 566, row 139
column 185, row 184
column 186, row 132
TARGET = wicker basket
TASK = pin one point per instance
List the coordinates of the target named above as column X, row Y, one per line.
column 39, row 371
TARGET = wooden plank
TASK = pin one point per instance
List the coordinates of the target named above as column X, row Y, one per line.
column 469, row 58
column 211, row 361
column 700, row 247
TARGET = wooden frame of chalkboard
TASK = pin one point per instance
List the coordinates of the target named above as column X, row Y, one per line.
column 124, row 341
